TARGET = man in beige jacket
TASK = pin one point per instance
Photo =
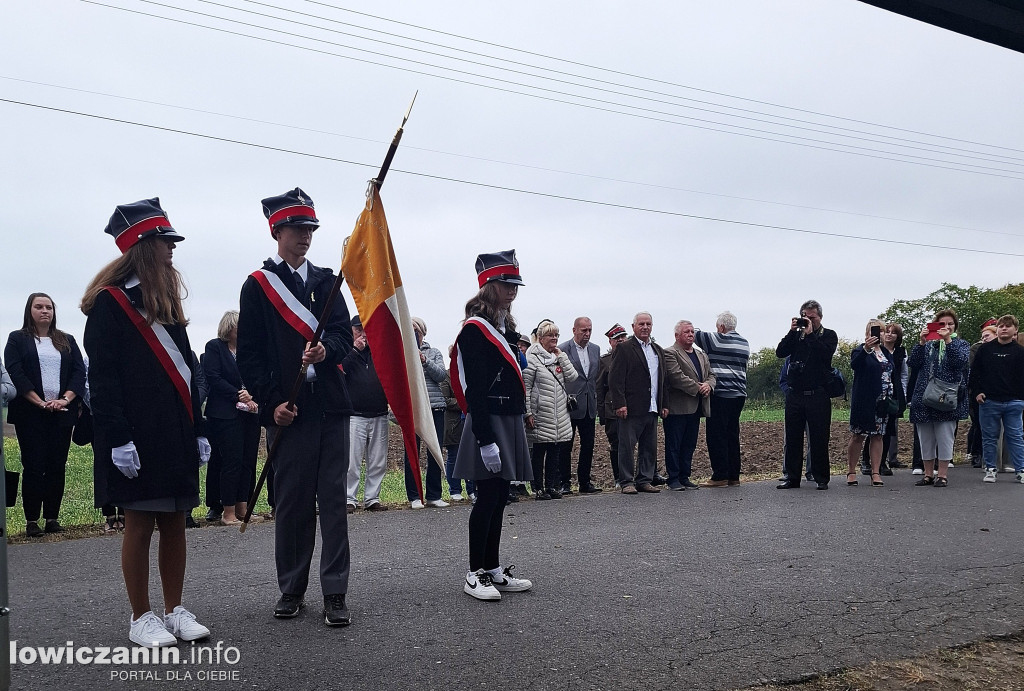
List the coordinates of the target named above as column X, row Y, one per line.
column 689, row 384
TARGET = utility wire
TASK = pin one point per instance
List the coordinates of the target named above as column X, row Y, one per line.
column 656, row 81
column 871, row 136
column 511, row 163
column 970, row 168
column 548, row 195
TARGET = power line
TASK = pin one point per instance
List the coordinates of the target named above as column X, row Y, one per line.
column 512, row 163
column 548, row 195
column 872, row 136
column 657, row 81
column 970, row 168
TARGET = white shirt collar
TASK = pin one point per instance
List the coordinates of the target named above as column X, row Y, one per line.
column 132, row 282
column 302, row 271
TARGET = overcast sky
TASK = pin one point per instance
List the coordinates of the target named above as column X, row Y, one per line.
column 63, row 174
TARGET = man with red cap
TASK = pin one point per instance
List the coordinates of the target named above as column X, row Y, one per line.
column 280, row 307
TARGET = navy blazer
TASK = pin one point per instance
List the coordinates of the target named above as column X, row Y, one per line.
column 223, row 380
column 23, row 366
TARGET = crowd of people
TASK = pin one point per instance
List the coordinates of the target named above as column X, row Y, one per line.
column 509, row 410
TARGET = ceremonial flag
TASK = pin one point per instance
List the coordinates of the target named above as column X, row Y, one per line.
column 370, row 268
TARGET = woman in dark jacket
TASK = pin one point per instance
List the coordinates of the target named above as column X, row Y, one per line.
column 493, row 451
column 147, row 420
column 46, row 366
column 233, row 425
column 872, row 389
column 946, row 358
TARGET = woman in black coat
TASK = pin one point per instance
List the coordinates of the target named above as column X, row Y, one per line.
column 872, row 388
column 232, row 421
column 493, row 451
column 46, row 366
column 147, row 420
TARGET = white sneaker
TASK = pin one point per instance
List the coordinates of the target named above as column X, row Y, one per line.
column 149, row 632
column 990, row 475
column 182, row 623
column 505, row 582
column 472, row 497
column 456, row 498
column 918, row 471
column 416, row 504
column 479, row 585
column 951, row 464
column 1009, row 469
column 437, row 503
column 1020, row 478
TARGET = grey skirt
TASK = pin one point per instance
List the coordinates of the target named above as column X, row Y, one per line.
column 163, row 504
column 512, row 445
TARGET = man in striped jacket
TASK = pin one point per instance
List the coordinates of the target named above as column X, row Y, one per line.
column 728, row 353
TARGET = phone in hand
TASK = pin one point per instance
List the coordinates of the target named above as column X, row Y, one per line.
column 933, row 331
column 876, row 333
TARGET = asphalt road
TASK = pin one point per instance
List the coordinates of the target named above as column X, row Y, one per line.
column 708, row 589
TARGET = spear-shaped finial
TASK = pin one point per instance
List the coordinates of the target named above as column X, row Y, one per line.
column 379, row 180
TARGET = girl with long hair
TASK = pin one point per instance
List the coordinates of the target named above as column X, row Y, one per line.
column 148, row 442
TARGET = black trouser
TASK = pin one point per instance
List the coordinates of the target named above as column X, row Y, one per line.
column 312, row 472
column 611, row 430
column 723, row 437
column 812, row 409
column 485, row 523
column 639, row 433
column 974, row 431
column 235, row 443
column 44, row 458
column 546, row 466
column 585, row 427
column 433, row 489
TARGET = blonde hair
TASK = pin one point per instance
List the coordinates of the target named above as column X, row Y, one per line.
column 874, row 322
column 227, row 322
column 162, row 286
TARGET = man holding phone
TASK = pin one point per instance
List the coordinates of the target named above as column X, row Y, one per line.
column 810, row 348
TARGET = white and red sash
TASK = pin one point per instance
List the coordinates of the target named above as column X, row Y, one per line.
column 163, row 347
column 458, row 373
column 286, row 304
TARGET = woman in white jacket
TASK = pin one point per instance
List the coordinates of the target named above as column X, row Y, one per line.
column 547, row 416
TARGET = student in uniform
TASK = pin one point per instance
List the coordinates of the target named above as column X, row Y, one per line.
column 146, row 414
column 280, row 307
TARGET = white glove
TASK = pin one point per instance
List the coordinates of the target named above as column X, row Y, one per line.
column 491, row 458
column 126, row 458
column 204, row 450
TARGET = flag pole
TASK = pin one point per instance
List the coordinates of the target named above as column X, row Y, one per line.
column 324, row 316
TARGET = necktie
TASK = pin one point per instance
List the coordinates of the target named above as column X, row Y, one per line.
column 300, row 285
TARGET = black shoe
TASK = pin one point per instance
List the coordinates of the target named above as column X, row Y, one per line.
column 214, row 515
column 589, row 488
column 676, row 486
column 885, row 471
column 541, row 496
column 685, row 482
column 865, row 470
column 288, row 606
column 554, row 494
column 822, row 485
column 190, row 522
column 659, row 480
column 512, row 498
column 32, row 529
column 897, row 464
column 566, row 490
column 521, row 490
column 788, row 484
column 53, row 526
column 335, row 611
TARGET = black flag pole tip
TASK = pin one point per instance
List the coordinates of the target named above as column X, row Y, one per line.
column 379, row 180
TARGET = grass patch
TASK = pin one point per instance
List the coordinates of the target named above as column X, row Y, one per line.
column 766, row 412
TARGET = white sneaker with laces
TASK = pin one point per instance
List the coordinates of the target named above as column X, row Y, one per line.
column 149, row 632
column 472, row 497
column 416, row 504
column 951, row 465
column 505, row 582
column 1019, row 478
column 437, row 503
column 479, row 585
column 990, row 475
column 182, row 623
column 1009, row 469
column 918, row 471
column 456, row 498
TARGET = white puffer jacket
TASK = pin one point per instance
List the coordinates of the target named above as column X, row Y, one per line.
column 545, row 395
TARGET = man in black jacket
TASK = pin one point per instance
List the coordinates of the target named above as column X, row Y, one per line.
column 280, row 305
column 810, row 348
column 368, row 428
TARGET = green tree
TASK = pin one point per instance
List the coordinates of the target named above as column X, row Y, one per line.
column 763, row 371
column 973, row 306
